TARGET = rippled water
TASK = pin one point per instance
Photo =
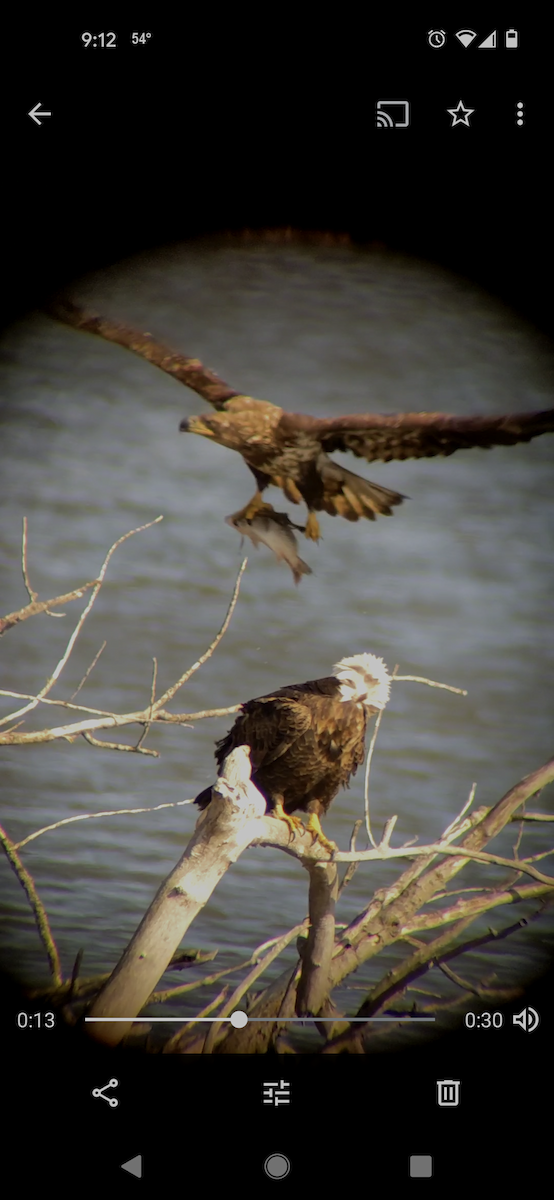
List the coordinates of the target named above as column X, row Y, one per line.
column 457, row 587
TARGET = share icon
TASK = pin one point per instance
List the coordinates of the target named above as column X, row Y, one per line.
column 99, row 1092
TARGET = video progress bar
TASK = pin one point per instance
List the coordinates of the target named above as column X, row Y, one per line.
column 240, row 1019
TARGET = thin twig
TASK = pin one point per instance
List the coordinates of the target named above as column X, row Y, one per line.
column 36, row 607
column 110, row 721
column 352, row 867
column 37, row 906
column 439, row 848
column 146, row 727
column 170, row 693
column 31, row 594
column 99, row 712
column 430, row 683
column 61, row 664
column 174, row 1042
column 251, row 978
column 174, row 993
column 368, row 768
column 532, row 816
column 88, row 671
column 113, row 812
column 450, row 828
column 126, row 718
column 183, row 718
column 475, row 905
column 100, row 745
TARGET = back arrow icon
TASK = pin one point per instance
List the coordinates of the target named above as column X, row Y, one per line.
column 35, row 113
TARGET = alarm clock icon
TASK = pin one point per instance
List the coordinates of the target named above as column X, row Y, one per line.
column 436, row 38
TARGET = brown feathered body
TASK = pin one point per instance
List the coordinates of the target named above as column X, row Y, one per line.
column 291, row 450
column 304, row 745
column 307, row 740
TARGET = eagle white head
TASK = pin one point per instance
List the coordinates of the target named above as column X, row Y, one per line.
column 363, row 678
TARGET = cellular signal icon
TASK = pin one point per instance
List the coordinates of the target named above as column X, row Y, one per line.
column 466, row 36
column 489, row 43
column 392, row 114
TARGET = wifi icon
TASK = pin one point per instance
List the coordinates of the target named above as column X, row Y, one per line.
column 466, row 36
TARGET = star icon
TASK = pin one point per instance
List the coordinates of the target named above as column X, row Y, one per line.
column 460, row 115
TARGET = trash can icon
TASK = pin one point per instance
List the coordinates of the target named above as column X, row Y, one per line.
column 448, row 1092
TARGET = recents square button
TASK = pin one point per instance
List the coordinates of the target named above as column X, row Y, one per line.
column 421, row 1166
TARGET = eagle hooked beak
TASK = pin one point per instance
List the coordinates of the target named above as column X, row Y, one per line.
column 195, row 425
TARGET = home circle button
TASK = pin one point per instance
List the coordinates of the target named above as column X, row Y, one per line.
column 277, row 1166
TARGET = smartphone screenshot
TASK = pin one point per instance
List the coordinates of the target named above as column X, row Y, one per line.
column 277, row 406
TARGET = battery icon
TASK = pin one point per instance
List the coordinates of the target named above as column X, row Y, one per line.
column 512, row 39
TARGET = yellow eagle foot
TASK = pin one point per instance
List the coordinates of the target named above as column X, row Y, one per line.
column 318, row 835
column 255, row 505
column 294, row 823
column 312, row 530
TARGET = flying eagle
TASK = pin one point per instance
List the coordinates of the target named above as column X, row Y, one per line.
column 307, row 739
column 291, row 451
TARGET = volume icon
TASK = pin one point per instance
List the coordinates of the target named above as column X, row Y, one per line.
column 528, row 1019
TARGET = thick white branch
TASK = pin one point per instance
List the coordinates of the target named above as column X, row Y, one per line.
column 228, row 825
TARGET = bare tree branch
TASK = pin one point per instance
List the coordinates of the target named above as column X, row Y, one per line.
column 154, row 712
column 36, row 607
column 277, row 947
column 37, row 906
column 61, row 664
column 126, row 718
column 113, row 812
column 88, row 671
column 121, row 746
column 385, row 918
column 318, row 950
column 223, row 831
column 169, row 694
column 31, row 594
column 392, row 914
column 369, row 759
column 431, row 683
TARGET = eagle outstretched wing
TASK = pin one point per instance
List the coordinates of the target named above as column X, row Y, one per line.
column 291, row 451
column 384, row 437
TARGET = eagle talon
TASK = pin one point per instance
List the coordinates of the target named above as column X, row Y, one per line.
column 255, row 505
column 314, row 827
column 294, row 824
column 312, row 530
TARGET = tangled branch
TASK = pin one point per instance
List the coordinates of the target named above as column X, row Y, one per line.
column 100, row 719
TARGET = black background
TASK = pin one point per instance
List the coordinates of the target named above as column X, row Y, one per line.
column 257, row 123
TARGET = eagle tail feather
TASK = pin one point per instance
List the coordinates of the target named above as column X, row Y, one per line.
column 203, row 798
column 356, row 497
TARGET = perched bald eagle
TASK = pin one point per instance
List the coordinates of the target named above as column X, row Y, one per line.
column 291, row 451
column 306, row 740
